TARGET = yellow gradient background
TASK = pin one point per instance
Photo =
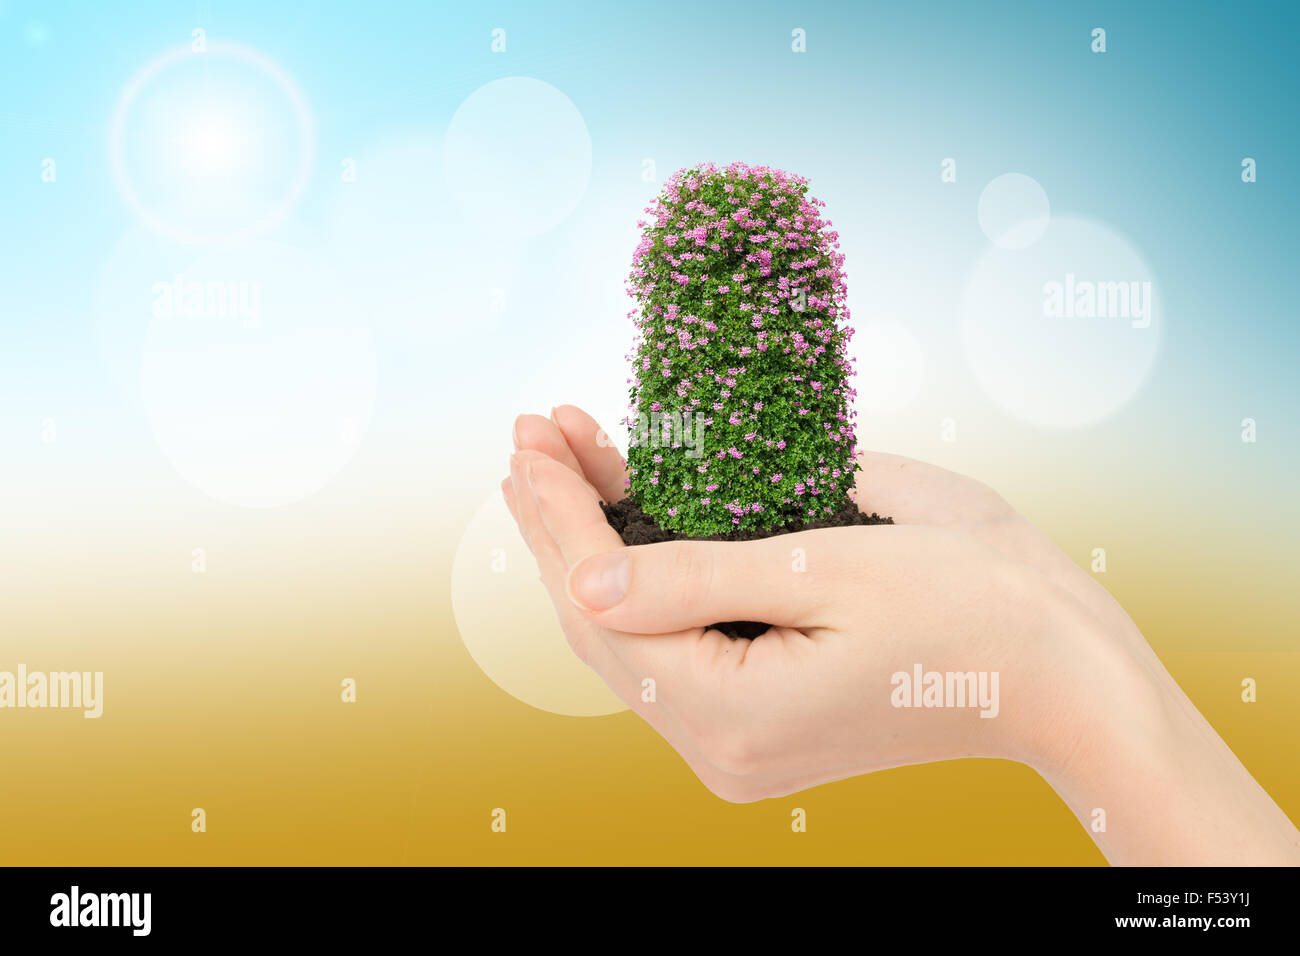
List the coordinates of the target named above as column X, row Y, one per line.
column 222, row 692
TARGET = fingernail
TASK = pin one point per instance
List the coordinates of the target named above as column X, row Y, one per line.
column 514, row 433
column 554, row 409
column 528, row 475
column 601, row 581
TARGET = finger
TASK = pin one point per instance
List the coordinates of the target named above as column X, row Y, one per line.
column 580, row 633
column 531, row 527
column 569, row 508
column 535, row 433
column 577, row 526
column 685, row 667
column 508, row 492
column 594, row 647
column 785, row 580
column 658, row 588
column 601, row 462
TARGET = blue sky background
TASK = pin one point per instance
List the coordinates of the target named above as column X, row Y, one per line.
column 1147, row 139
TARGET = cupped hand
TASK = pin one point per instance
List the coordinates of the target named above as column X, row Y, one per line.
column 949, row 589
column 1034, row 660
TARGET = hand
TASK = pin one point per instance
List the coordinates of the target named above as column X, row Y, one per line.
column 811, row 700
column 959, row 584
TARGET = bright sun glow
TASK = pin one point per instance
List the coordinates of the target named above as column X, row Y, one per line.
column 254, row 138
column 211, row 144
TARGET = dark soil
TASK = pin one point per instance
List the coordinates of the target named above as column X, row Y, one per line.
column 636, row 527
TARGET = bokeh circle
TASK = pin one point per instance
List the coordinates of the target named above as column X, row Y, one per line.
column 1062, row 333
column 517, row 157
column 1014, row 211
column 222, row 139
column 508, row 624
column 256, row 376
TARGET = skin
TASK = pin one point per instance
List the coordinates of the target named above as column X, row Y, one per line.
column 960, row 582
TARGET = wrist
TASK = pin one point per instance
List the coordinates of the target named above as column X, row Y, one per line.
column 1097, row 704
column 1141, row 769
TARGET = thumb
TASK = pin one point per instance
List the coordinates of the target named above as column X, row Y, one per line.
column 658, row 588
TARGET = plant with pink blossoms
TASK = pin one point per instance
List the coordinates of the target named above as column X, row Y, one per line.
column 741, row 400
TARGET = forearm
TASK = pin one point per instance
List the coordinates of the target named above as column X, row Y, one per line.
column 1169, row 790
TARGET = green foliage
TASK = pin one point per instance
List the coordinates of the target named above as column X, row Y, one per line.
column 741, row 397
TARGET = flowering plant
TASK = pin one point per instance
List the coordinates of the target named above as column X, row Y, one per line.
column 741, row 392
